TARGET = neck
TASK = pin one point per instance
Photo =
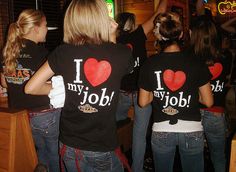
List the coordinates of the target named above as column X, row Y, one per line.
column 32, row 37
column 172, row 48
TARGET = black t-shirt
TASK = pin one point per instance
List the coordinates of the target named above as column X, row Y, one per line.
column 136, row 41
column 92, row 75
column 174, row 79
column 220, row 70
column 32, row 56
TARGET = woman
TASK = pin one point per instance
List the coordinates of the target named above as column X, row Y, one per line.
column 174, row 82
column 206, row 46
column 92, row 67
column 22, row 56
column 135, row 36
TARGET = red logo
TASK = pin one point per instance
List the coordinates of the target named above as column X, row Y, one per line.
column 97, row 72
column 129, row 46
column 174, row 80
column 216, row 70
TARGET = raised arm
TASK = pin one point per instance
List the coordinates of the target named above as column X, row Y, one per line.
column 200, row 9
column 148, row 25
column 205, row 95
column 145, row 97
column 38, row 85
column 228, row 25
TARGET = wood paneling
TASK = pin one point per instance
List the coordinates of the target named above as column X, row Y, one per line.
column 232, row 167
column 17, row 151
column 4, row 20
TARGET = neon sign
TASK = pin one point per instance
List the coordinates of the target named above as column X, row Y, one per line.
column 227, row 7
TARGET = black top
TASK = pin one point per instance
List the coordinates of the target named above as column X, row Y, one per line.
column 174, row 79
column 220, row 70
column 136, row 41
column 92, row 75
column 31, row 58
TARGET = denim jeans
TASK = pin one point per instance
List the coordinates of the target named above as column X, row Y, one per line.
column 215, row 132
column 191, row 146
column 141, row 122
column 45, row 131
column 88, row 161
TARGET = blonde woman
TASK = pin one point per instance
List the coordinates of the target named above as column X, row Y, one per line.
column 22, row 56
column 92, row 67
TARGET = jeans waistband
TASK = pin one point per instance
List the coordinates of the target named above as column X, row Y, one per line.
column 128, row 92
column 40, row 111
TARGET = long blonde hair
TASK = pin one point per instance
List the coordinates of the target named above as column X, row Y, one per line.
column 17, row 30
column 86, row 21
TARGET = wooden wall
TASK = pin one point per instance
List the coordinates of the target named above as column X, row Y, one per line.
column 143, row 9
column 4, row 20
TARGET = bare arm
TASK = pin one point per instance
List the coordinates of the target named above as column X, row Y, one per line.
column 205, row 95
column 200, row 9
column 145, row 97
column 148, row 25
column 228, row 25
column 38, row 84
column 3, row 81
column 113, row 29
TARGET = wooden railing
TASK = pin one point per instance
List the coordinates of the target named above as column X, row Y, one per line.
column 232, row 166
column 17, row 151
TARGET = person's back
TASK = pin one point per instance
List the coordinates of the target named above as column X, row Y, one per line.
column 178, row 78
column 92, row 75
column 31, row 58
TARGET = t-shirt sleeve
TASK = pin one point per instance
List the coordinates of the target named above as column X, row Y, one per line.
column 144, row 79
column 53, row 60
column 204, row 74
column 130, row 62
column 139, row 34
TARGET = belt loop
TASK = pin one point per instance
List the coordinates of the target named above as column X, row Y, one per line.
column 62, row 153
column 123, row 159
column 77, row 154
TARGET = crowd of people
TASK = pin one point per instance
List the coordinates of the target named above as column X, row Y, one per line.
column 76, row 94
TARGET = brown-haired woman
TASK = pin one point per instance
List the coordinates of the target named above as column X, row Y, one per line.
column 172, row 82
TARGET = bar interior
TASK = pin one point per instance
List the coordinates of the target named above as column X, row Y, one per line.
column 17, row 151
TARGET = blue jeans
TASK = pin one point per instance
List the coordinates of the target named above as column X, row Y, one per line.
column 45, row 131
column 88, row 161
column 215, row 132
column 141, row 122
column 191, row 146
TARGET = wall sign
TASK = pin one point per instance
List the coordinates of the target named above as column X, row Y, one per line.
column 227, row 7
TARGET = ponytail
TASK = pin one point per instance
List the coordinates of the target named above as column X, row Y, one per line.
column 16, row 32
column 12, row 48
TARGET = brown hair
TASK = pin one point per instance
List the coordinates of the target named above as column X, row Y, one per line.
column 204, row 39
column 167, row 29
column 86, row 21
column 26, row 21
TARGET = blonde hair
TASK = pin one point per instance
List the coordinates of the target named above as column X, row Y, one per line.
column 26, row 21
column 86, row 21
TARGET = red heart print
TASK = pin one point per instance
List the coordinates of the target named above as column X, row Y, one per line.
column 129, row 46
column 216, row 70
column 97, row 72
column 174, row 80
